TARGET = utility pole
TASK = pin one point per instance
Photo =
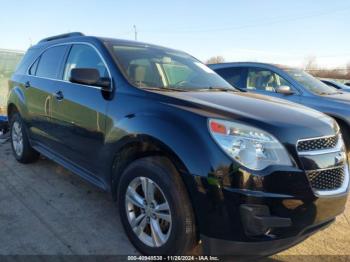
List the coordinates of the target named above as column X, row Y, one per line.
column 135, row 32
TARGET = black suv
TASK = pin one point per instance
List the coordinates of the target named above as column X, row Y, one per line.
column 187, row 157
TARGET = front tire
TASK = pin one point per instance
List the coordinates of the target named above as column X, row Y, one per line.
column 21, row 148
column 155, row 208
column 346, row 135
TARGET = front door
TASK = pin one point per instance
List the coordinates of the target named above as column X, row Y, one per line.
column 264, row 81
column 78, row 111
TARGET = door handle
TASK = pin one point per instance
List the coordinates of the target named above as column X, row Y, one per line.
column 59, row 96
column 27, row 84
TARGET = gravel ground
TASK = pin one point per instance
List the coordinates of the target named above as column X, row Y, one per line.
column 46, row 210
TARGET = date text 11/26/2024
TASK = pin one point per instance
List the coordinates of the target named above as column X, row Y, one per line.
column 173, row 258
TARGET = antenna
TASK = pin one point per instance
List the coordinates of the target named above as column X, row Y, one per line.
column 135, row 32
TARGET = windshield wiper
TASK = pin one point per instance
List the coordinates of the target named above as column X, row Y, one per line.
column 165, row 89
column 213, row 88
column 210, row 88
column 328, row 94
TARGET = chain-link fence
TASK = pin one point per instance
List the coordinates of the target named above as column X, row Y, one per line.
column 8, row 62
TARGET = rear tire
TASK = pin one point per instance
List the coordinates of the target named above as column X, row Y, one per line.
column 21, row 148
column 170, row 231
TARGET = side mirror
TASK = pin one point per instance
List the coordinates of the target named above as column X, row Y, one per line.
column 285, row 90
column 89, row 76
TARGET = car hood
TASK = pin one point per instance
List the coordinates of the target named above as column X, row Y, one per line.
column 341, row 97
column 280, row 117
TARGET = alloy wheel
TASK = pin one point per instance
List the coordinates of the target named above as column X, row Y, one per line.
column 17, row 138
column 148, row 212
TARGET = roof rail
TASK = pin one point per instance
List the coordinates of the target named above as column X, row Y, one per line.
column 51, row 38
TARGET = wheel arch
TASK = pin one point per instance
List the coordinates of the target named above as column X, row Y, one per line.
column 344, row 126
column 142, row 146
column 136, row 147
column 11, row 109
column 17, row 99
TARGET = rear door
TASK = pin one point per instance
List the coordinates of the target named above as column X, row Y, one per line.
column 78, row 111
column 40, row 83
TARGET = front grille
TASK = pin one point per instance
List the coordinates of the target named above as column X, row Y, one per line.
column 317, row 143
column 329, row 179
column 315, row 153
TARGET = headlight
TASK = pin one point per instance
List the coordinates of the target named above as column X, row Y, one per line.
column 250, row 146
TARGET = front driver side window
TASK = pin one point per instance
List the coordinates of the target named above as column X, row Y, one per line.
column 264, row 80
column 84, row 56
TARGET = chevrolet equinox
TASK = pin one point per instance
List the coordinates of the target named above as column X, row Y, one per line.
column 188, row 159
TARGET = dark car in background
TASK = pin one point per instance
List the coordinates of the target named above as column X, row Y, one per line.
column 292, row 84
column 336, row 84
column 187, row 157
column 3, row 125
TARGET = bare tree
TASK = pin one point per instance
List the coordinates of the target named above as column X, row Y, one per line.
column 313, row 68
column 336, row 73
column 310, row 63
column 215, row 60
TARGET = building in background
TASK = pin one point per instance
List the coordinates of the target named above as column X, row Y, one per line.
column 8, row 62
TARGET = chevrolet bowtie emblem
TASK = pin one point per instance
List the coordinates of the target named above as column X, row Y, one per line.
column 339, row 158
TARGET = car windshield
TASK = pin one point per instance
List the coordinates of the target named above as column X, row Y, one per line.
column 161, row 68
column 311, row 83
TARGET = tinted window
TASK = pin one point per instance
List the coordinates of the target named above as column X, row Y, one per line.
column 232, row 75
column 264, row 80
column 50, row 62
column 156, row 67
column 84, row 56
column 26, row 61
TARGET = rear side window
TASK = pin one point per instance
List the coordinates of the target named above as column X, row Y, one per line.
column 26, row 61
column 235, row 76
column 84, row 56
column 50, row 62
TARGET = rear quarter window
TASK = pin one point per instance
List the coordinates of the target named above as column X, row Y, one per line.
column 26, row 61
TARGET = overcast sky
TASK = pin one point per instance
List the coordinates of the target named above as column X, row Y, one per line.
column 276, row 31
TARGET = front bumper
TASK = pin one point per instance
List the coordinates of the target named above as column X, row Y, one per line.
column 296, row 209
column 219, row 247
column 286, row 194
